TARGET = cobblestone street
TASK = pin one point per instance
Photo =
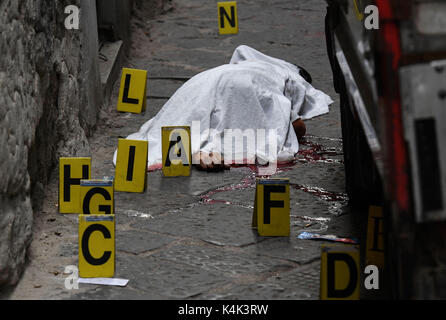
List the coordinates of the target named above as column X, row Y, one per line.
column 191, row 237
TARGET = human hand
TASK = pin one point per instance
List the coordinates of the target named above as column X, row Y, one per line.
column 211, row 162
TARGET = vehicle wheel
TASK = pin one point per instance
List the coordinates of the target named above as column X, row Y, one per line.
column 363, row 182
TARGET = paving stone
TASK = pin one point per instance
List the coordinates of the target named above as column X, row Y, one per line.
column 288, row 248
column 327, row 176
column 149, row 204
column 231, row 263
column 166, row 279
column 299, row 283
column 199, row 181
column 243, row 197
column 218, row 224
column 313, row 203
column 137, row 242
column 162, row 87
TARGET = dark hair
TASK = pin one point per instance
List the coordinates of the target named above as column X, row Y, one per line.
column 305, row 74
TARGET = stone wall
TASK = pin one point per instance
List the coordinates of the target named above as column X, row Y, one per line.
column 50, row 98
column 46, row 109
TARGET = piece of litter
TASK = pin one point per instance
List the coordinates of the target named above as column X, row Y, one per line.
column 312, row 224
column 318, row 219
column 134, row 213
column 104, row 281
column 328, row 237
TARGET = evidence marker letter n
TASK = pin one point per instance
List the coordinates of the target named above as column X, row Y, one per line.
column 227, row 17
column 132, row 91
column 96, row 246
column 96, row 197
column 71, row 172
column 131, row 165
column 176, row 151
column 271, row 214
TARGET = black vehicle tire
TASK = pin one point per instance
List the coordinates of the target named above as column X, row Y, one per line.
column 362, row 179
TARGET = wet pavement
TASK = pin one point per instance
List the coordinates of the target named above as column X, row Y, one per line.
column 191, row 238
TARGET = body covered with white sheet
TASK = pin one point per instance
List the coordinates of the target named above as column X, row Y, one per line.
column 254, row 94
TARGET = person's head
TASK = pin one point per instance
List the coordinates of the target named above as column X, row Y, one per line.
column 305, row 74
column 299, row 128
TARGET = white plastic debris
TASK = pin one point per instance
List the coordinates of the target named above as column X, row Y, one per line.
column 105, row 281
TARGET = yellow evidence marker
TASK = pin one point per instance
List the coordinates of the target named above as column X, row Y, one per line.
column 339, row 272
column 132, row 92
column 131, row 165
column 176, row 148
column 227, row 17
column 271, row 214
column 96, row 246
column 96, row 197
column 71, row 171
column 375, row 237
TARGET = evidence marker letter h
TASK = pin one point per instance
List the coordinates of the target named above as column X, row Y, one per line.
column 71, row 172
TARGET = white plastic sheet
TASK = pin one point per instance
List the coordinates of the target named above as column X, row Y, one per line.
column 252, row 92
